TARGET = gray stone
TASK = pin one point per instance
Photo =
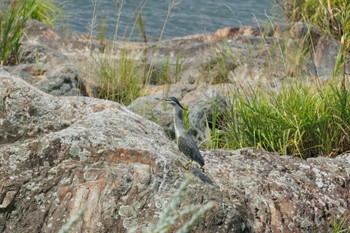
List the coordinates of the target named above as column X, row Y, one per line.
column 206, row 106
column 59, row 155
column 326, row 52
column 63, row 81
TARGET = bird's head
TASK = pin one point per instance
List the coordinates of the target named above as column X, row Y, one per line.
column 173, row 101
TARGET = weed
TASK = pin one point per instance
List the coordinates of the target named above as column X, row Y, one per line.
column 13, row 16
column 339, row 225
column 141, row 27
column 121, row 80
column 47, row 12
column 162, row 75
column 66, row 228
column 172, row 4
column 180, row 60
column 330, row 17
column 302, row 120
column 172, row 216
column 213, row 124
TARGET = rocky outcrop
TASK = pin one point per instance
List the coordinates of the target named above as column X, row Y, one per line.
column 59, row 155
column 62, row 155
column 67, row 65
column 256, row 55
column 283, row 193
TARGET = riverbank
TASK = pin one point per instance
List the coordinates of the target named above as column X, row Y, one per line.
column 64, row 151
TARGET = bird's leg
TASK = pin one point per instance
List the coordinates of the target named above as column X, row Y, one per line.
column 189, row 164
column 185, row 166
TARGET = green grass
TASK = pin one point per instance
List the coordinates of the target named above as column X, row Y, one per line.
column 122, row 79
column 303, row 119
column 341, row 225
column 331, row 17
column 47, row 11
column 13, row 17
column 173, row 213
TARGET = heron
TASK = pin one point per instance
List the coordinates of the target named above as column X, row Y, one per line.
column 185, row 142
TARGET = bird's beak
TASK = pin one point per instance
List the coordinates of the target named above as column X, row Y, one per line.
column 162, row 99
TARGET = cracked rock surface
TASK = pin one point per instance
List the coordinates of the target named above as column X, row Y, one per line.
column 59, row 155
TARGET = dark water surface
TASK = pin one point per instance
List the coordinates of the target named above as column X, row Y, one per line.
column 188, row 17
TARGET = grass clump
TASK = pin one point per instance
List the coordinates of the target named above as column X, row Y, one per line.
column 302, row 119
column 341, row 225
column 121, row 80
column 13, row 17
column 331, row 17
column 47, row 12
column 171, row 216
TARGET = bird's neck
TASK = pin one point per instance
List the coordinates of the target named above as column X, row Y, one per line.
column 178, row 122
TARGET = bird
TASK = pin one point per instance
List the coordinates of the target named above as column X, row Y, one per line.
column 185, row 142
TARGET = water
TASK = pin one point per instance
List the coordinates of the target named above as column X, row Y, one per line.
column 187, row 18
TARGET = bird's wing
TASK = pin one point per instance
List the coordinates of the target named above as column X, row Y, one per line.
column 190, row 149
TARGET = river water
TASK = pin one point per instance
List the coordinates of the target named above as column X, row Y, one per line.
column 186, row 18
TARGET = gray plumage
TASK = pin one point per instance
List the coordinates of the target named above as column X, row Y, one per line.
column 184, row 140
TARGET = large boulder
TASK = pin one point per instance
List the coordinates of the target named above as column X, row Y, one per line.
column 284, row 193
column 59, row 155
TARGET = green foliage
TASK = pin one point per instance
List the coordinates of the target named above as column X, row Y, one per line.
column 163, row 74
column 339, row 225
column 66, row 228
column 141, row 27
column 172, row 214
column 172, row 4
column 166, row 73
column 214, row 128
column 185, row 117
column 13, row 16
column 302, row 120
column 331, row 17
column 217, row 71
column 47, row 12
column 121, row 80
column 180, row 60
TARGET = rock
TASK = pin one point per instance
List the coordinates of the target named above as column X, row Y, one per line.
column 59, row 155
column 202, row 103
column 152, row 106
column 326, row 52
column 28, row 72
column 42, row 54
column 206, row 105
column 63, row 81
column 253, row 54
column 283, row 193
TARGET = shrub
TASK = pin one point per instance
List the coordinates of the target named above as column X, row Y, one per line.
column 122, row 79
column 302, row 119
column 331, row 17
column 13, row 17
column 47, row 12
